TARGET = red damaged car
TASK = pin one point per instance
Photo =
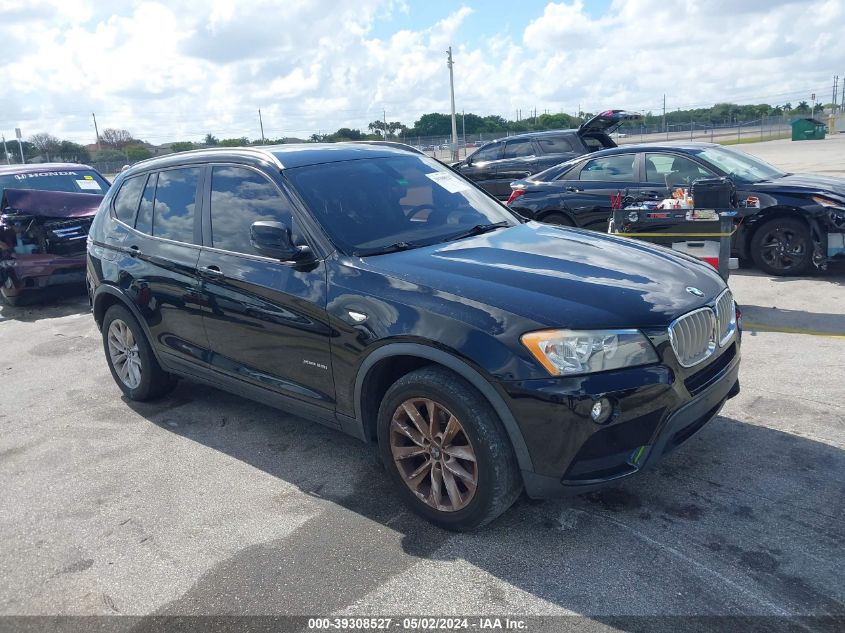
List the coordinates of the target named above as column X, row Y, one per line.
column 45, row 213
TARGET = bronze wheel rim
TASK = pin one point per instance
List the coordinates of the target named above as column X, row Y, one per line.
column 433, row 454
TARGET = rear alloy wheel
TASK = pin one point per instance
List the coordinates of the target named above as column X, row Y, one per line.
column 782, row 247
column 558, row 219
column 446, row 450
column 131, row 360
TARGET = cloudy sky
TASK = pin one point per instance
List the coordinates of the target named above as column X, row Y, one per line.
column 177, row 70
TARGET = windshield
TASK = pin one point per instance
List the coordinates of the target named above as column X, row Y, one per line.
column 71, row 181
column 739, row 166
column 403, row 201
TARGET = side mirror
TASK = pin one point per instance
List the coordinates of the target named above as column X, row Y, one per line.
column 273, row 239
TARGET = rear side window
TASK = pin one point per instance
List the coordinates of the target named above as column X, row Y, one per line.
column 554, row 145
column 175, row 204
column 126, row 200
column 618, row 168
column 239, row 197
column 518, row 149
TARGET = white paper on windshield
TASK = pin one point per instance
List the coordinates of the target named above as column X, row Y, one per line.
column 91, row 185
column 449, row 182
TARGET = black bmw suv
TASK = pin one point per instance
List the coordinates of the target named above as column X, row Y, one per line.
column 373, row 290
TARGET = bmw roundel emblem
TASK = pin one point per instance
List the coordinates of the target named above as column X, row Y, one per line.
column 695, row 291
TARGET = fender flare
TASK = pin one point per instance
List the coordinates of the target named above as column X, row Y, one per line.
column 126, row 302
column 461, row 368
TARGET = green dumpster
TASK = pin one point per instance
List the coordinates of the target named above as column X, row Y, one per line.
column 807, row 129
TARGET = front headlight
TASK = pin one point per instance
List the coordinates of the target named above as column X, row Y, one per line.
column 829, row 203
column 574, row 352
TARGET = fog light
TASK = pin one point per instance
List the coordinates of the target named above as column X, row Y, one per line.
column 633, row 216
column 600, row 413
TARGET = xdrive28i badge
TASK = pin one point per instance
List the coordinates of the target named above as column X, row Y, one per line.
column 695, row 291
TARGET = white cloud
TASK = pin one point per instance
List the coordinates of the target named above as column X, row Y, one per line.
column 169, row 71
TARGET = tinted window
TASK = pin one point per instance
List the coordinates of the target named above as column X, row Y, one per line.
column 612, row 168
column 126, row 200
column 406, row 200
column 144, row 221
column 554, row 144
column 175, row 201
column 488, row 152
column 518, row 149
column 240, row 197
column 673, row 170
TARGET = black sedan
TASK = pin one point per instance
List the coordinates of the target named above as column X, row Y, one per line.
column 791, row 223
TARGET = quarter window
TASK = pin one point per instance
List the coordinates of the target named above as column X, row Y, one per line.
column 619, row 168
column 175, row 204
column 554, row 144
column 240, row 197
column 144, row 221
column 126, row 200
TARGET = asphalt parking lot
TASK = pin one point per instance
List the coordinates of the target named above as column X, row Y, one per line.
column 206, row 503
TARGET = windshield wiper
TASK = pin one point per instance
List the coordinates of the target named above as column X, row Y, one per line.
column 478, row 229
column 382, row 250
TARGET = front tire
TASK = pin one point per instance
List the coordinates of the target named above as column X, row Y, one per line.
column 446, row 450
column 130, row 357
column 782, row 247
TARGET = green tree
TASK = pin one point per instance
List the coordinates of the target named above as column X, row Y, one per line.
column 234, row 142
column 71, row 152
column 136, row 152
column 182, row 146
column 377, row 127
column 210, row 139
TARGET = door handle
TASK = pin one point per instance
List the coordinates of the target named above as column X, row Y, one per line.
column 652, row 195
column 134, row 251
column 574, row 189
column 210, row 271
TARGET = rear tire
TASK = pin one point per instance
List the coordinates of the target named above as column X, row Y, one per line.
column 130, row 358
column 557, row 219
column 782, row 247
column 460, row 472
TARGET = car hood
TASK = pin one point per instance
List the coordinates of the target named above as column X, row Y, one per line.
column 52, row 204
column 557, row 277
column 802, row 184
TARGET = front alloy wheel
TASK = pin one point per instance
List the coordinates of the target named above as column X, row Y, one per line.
column 434, row 455
column 124, row 354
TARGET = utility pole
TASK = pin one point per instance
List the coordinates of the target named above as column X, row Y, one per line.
column 384, row 120
column 452, row 90
column 464, row 128
column 835, row 85
column 261, row 124
column 665, row 129
column 96, row 131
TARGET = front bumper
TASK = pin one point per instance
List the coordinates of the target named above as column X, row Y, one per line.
column 31, row 273
column 656, row 409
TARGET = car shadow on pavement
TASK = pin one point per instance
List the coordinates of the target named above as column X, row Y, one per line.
column 762, row 318
column 835, row 274
column 741, row 520
column 58, row 302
